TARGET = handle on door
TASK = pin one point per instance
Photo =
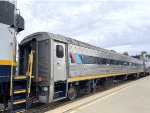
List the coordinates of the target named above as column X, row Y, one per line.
column 58, row 64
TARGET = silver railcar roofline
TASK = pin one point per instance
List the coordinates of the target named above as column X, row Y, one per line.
column 75, row 42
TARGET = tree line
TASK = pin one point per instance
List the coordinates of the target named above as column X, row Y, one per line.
column 143, row 54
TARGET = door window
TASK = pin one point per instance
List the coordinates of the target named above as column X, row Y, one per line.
column 59, row 51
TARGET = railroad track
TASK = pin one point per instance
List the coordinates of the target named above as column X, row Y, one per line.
column 42, row 108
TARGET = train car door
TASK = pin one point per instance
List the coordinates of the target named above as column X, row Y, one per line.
column 59, row 62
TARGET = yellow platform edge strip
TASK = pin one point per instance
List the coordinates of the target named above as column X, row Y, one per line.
column 19, row 102
column 98, row 76
column 7, row 62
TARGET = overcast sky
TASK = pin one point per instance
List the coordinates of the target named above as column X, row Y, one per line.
column 114, row 24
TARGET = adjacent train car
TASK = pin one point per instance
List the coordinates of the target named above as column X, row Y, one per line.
column 7, row 38
column 147, row 65
column 6, row 62
column 10, row 24
column 6, row 51
column 6, row 45
column 62, row 66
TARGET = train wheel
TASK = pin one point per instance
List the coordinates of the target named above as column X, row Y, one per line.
column 72, row 93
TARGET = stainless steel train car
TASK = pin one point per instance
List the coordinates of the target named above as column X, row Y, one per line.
column 62, row 66
column 147, row 65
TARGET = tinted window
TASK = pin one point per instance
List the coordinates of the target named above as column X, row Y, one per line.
column 84, row 59
column 112, row 62
column 126, row 63
column 99, row 60
column 122, row 62
column 59, row 51
column 117, row 62
column 104, row 61
column 89, row 59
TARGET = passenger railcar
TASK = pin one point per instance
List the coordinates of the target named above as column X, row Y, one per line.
column 63, row 66
column 147, row 65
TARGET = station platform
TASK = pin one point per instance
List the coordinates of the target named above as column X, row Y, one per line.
column 133, row 99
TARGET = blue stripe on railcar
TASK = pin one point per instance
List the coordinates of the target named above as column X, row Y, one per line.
column 78, row 58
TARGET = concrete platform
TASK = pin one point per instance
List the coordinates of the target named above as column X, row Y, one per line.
column 132, row 99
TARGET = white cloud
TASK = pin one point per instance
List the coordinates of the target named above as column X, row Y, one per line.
column 120, row 25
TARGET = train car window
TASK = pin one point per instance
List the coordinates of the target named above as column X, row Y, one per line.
column 92, row 60
column 104, row 61
column 114, row 62
column 117, row 62
column 99, row 60
column 126, row 64
column 111, row 62
column 122, row 62
column 84, row 59
column 134, row 64
column 96, row 60
column 88, row 60
column 59, row 51
column 81, row 57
